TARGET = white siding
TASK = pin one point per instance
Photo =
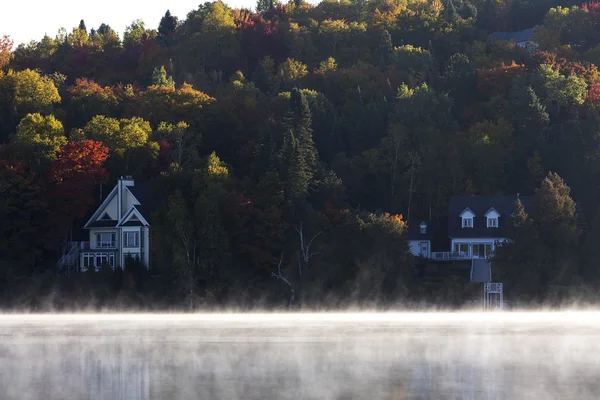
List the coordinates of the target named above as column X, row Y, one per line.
column 415, row 247
column 111, row 209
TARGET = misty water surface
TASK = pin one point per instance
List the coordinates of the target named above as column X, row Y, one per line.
column 301, row 356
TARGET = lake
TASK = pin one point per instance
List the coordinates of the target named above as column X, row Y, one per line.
column 413, row 355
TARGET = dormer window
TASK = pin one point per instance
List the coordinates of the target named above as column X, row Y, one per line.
column 467, row 218
column 423, row 227
column 492, row 217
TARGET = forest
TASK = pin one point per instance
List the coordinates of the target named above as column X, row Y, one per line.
column 289, row 146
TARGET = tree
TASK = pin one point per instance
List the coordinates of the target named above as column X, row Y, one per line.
column 82, row 26
column 39, row 138
column 299, row 156
column 6, row 45
column 166, row 28
column 23, row 217
column 160, row 77
column 384, row 50
column 555, row 212
column 177, row 136
column 31, row 91
column 265, row 5
column 556, row 220
column 518, row 261
column 118, row 135
column 292, row 70
column 75, row 174
column 335, row 30
column 565, row 91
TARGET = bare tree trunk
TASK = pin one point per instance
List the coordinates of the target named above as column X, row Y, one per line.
column 279, row 275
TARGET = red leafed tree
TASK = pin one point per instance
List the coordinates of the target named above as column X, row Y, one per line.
column 74, row 174
column 594, row 95
column 593, row 9
column 497, row 81
column 6, row 45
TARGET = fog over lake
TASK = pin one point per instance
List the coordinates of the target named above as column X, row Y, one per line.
column 495, row 355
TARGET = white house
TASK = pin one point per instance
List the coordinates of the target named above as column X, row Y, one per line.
column 419, row 236
column 523, row 39
column 476, row 224
column 118, row 229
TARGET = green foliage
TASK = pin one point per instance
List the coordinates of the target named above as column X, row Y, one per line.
column 324, row 117
column 565, row 91
column 39, row 137
column 160, row 78
column 118, row 135
column 30, row 90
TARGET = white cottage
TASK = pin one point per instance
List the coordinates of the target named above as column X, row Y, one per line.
column 420, row 236
column 119, row 228
column 476, row 224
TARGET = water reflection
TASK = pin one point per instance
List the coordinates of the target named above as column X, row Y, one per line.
column 510, row 356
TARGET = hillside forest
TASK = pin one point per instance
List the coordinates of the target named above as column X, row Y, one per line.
column 289, row 146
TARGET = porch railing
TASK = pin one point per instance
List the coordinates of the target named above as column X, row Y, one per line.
column 450, row 255
column 70, row 257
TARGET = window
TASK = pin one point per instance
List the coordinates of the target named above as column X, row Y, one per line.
column 492, row 222
column 461, row 248
column 423, row 228
column 467, row 223
column 95, row 260
column 106, row 239
column 131, row 239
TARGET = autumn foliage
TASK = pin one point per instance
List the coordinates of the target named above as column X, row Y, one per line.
column 75, row 173
column 5, row 48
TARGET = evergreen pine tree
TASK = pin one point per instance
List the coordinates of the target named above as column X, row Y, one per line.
column 166, row 27
column 82, row 26
column 160, row 77
column 299, row 156
column 385, row 49
column 517, row 262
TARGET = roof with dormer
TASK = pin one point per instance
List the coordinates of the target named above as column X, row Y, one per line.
column 414, row 230
column 480, row 205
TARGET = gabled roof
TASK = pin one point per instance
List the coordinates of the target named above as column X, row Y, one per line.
column 490, row 211
column 128, row 217
column 414, row 230
column 519, row 36
column 141, row 192
column 92, row 221
column 465, row 210
column 479, row 205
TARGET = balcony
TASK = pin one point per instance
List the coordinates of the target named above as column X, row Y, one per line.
column 85, row 246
